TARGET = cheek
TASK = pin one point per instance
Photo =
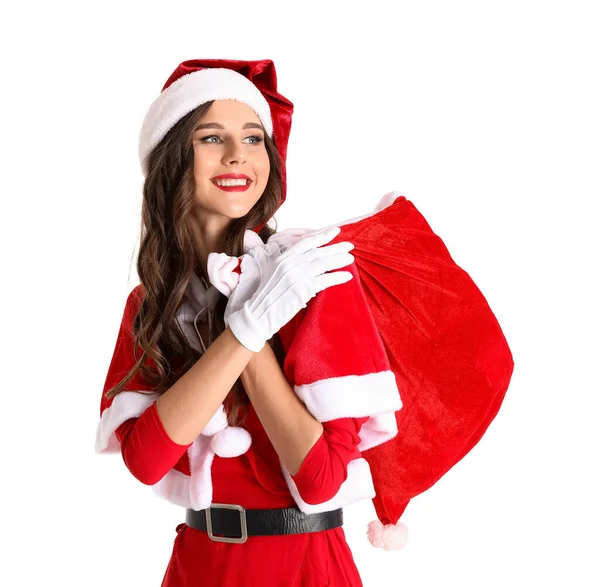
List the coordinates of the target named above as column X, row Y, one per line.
column 202, row 171
column 263, row 165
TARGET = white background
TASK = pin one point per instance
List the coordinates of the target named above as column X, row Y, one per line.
column 484, row 114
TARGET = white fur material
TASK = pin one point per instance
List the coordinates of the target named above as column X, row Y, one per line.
column 201, row 457
column 193, row 491
column 354, row 396
column 357, row 486
column 291, row 236
column 377, row 429
column 351, row 396
column 220, row 268
column 388, row 536
column 174, row 487
column 189, row 92
column 125, row 405
column 231, row 442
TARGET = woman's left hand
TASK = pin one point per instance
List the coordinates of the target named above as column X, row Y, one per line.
column 248, row 280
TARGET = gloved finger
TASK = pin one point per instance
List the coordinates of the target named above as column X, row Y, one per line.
column 287, row 238
column 312, row 241
column 341, row 247
column 291, row 232
column 308, row 257
column 326, row 280
column 330, row 263
column 273, row 248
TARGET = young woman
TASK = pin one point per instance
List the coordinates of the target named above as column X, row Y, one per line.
column 196, row 414
column 248, row 389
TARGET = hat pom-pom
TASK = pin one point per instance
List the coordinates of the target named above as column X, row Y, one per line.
column 388, row 536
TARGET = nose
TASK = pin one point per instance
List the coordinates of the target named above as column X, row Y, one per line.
column 235, row 154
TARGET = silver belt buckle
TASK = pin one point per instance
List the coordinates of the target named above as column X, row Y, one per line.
column 243, row 525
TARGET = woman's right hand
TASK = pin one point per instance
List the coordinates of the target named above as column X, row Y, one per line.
column 282, row 284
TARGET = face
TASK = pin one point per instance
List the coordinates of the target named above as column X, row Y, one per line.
column 228, row 140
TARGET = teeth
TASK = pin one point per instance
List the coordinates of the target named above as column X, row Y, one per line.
column 231, row 182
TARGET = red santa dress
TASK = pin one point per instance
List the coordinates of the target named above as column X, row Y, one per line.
column 240, row 466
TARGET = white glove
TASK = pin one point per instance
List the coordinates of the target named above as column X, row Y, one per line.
column 281, row 284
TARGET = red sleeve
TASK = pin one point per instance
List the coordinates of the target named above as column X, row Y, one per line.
column 148, row 451
column 325, row 467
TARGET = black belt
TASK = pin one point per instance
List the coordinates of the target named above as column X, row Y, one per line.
column 234, row 523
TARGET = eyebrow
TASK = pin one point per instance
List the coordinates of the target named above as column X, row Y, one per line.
column 217, row 125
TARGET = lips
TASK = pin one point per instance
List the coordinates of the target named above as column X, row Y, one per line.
column 231, row 176
column 234, row 188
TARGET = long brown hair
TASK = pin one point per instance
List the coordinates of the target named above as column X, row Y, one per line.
column 167, row 257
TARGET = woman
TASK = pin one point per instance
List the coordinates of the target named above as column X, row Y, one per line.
column 201, row 411
column 373, row 389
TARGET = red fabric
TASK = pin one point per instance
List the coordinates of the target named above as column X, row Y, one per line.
column 304, row 560
column 300, row 560
column 450, row 357
column 149, row 453
column 147, row 449
column 319, row 558
column 315, row 559
column 123, row 357
column 325, row 467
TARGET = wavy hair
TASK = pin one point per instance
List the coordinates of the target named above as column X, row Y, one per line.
column 167, row 258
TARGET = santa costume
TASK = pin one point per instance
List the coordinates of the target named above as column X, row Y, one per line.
column 404, row 365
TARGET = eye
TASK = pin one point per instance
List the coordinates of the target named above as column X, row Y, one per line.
column 205, row 139
column 257, row 139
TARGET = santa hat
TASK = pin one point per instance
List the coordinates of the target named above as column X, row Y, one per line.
column 197, row 81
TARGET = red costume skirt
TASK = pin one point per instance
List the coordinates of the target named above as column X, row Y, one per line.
column 315, row 559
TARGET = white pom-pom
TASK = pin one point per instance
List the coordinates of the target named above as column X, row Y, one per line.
column 220, row 268
column 231, row 442
column 388, row 537
column 217, row 423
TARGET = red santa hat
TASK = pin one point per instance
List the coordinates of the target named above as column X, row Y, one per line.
column 197, row 81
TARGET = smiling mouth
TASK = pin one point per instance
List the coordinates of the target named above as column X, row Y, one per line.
column 231, row 182
column 233, row 185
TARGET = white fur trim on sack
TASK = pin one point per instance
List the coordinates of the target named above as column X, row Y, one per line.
column 355, row 396
column 189, row 92
column 291, row 236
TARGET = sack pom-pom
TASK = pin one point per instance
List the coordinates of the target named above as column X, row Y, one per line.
column 388, row 536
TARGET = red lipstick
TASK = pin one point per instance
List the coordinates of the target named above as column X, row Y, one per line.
column 230, row 176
